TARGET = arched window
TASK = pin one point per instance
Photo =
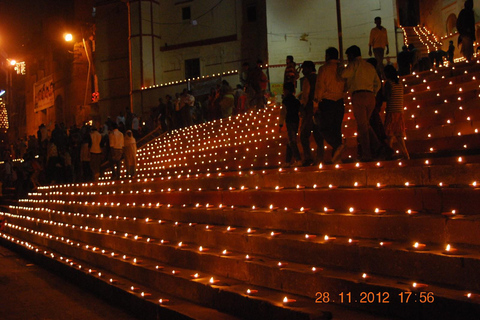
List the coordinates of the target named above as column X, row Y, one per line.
column 451, row 24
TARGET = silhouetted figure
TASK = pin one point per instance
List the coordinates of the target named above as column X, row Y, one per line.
column 451, row 51
column 394, row 121
column 404, row 60
column 256, row 85
column 289, row 116
column 226, row 99
column 414, row 56
column 291, row 73
column 306, row 112
column 363, row 84
column 376, row 121
column 466, row 29
column 379, row 42
column 116, row 141
column 161, row 115
column 329, row 92
column 436, row 57
column 130, row 152
column 96, row 155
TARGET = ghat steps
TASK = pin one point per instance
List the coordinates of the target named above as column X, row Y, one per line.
column 422, row 39
column 211, row 215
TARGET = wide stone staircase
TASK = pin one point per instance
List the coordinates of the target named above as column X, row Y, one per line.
column 212, row 228
column 423, row 39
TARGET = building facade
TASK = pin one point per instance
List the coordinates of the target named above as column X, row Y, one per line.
column 59, row 77
column 174, row 40
column 128, row 53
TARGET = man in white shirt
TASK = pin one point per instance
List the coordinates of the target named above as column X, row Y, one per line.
column 363, row 84
column 96, row 155
column 379, row 42
column 116, row 151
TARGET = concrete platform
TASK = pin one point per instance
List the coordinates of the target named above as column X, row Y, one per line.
column 30, row 292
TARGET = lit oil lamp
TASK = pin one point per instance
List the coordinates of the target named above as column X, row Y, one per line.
column 251, row 292
column 286, row 301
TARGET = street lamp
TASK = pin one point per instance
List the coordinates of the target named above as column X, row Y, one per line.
column 68, row 37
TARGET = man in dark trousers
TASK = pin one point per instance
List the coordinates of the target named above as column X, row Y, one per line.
column 378, row 42
column 466, row 29
column 404, row 60
column 363, row 84
column 329, row 92
column 289, row 116
column 306, row 112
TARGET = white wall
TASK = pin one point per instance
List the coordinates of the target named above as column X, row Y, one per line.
column 214, row 59
column 288, row 20
column 211, row 22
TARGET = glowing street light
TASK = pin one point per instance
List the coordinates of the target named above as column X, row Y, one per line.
column 68, row 37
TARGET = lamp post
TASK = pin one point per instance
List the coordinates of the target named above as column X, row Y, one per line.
column 88, row 107
column 69, row 38
column 12, row 100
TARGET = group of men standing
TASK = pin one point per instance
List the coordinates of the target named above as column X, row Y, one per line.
column 322, row 105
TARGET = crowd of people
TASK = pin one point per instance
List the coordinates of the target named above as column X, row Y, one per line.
column 222, row 101
column 77, row 154
column 72, row 156
column 320, row 109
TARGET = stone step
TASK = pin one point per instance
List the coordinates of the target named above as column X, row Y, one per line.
column 425, row 141
column 438, row 81
column 420, row 172
column 111, row 287
column 458, row 69
column 291, row 278
column 316, row 250
column 253, row 161
column 408, row 226
column 435, row 200
column 225, row 293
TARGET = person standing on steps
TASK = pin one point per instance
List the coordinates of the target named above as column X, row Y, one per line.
column 375, row 120
column 329, row 107
column 403, row 60
column 130, row 152
column 394, row 120
column 96, row 155
column 414, row 57
column 116, row 142
column 291, row 73
column 451, row 51
column 306, row 113
column 256, row 85
column 466, row 29
column 289, row 116
column 378, row 42
column 363, row 84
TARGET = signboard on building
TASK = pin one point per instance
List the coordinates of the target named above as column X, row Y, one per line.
column 43, row 93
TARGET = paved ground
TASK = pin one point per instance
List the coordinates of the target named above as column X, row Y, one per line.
column 29, row 292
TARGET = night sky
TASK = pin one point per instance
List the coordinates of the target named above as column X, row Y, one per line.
column 21, row 22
